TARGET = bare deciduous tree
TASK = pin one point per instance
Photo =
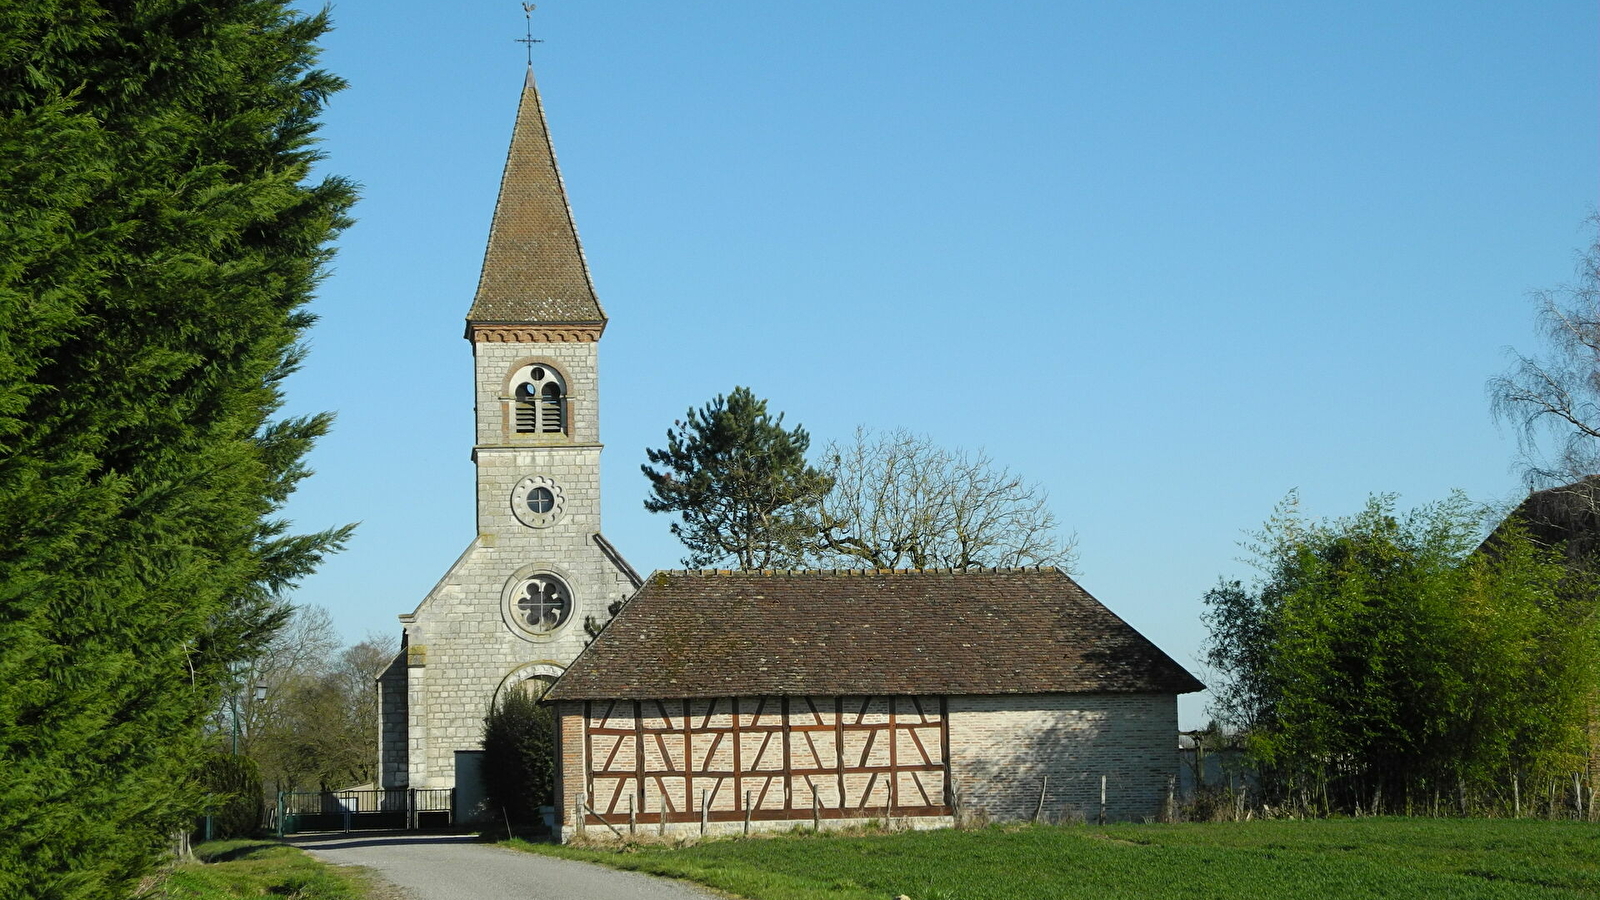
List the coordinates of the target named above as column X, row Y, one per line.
column 318, row 724
column 900, row 501
column 302, row 650
column 1554, row 398
column 355, row 674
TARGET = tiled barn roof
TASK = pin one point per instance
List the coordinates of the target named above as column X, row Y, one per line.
column 533, row 269
column 992, row 631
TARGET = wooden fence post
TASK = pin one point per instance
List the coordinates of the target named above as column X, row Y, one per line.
column 1102, row 799
column 705, row 810
column 816, row 810
column 746, row 812
column 583, row 807
column 632, row 820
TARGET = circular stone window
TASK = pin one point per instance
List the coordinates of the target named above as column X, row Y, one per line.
column 536, row 501
column 541, row 603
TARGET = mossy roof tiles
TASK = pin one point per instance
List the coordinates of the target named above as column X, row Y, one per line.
column 994, row 631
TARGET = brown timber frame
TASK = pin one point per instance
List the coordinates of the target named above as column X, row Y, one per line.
column 853, row 757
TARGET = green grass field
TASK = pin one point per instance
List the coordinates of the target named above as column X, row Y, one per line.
column 1388, row 857
column 256, row 870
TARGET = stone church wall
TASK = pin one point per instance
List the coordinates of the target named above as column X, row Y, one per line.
column 1003, row 747
column 393, row 724
column 465, row 640
column 469, row 653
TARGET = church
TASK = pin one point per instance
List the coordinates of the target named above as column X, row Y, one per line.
column 715, row 701
column 522, row 599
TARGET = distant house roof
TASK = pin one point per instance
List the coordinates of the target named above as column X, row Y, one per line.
column 1565, row 517
column 533, row 269
column 873, row 632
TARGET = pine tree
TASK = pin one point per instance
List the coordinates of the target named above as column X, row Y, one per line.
column 159, row 236
column 740, row 483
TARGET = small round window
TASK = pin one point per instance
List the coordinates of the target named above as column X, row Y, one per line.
column 537, row 501
column 542, row 603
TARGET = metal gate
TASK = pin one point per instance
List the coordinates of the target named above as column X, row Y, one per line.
column 394, row 809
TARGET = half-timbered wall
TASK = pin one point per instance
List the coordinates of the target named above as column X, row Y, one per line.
column 765, row 759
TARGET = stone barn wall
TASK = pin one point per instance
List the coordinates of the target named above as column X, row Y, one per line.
column 1003, row 747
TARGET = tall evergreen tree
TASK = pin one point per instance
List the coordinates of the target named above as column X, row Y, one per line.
column 160, row 233
column 739, row 482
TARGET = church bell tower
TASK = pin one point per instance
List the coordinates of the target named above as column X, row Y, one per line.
column 538, row 578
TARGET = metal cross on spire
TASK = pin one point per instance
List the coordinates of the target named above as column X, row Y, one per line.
column 530, row 40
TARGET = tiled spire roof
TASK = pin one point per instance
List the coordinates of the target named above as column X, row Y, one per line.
column 533, row 269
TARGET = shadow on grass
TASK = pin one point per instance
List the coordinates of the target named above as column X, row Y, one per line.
column 244, row 850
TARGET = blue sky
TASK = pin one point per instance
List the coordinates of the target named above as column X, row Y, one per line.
column 1185, row 256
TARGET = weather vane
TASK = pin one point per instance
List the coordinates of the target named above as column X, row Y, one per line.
column 530, row 40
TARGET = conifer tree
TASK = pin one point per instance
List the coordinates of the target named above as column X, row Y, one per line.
column 160, row 233
column 739, row 482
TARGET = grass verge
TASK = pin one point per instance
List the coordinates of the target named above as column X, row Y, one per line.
column 257, row 870
column 1367, row 858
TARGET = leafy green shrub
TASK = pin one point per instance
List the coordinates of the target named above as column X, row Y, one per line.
column 1382, row 661
column 519, row 763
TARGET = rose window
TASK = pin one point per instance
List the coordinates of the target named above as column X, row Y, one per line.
column 543, row 603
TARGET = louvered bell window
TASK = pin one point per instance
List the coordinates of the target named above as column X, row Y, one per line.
column 551, row 404
column 540, row 404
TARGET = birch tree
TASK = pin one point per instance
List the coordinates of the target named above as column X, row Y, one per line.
column 1553, row 397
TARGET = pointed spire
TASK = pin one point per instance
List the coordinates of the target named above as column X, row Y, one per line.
column 533, row 270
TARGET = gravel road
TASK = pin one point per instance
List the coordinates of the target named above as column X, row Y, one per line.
column 456, row 867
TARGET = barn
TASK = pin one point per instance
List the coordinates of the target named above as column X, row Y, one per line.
column 719, row 701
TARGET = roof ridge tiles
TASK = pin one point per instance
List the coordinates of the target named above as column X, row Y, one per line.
column 863, row 573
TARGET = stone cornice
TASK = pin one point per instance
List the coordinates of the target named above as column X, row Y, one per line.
column 491, row 333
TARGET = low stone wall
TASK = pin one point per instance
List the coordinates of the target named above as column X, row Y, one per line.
column 673, row 831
